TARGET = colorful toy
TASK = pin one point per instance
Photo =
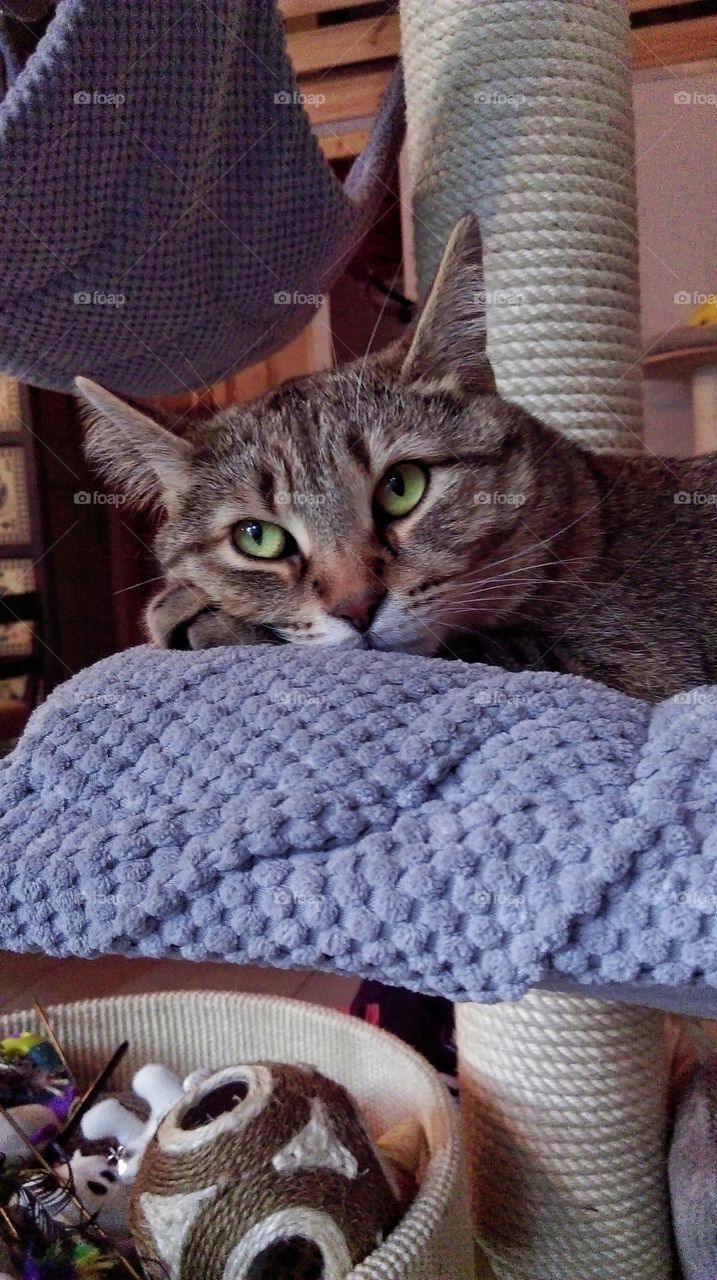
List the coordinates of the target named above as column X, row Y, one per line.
column 264, row 1170
column 68, row 1259
column 59, row 1213
column 36, row 1092
column 31, row 1070
column 705, row 313
column 54, row 1237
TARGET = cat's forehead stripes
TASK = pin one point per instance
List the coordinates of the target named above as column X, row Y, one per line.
column 288, row 456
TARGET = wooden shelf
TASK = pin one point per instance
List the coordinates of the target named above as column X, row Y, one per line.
column 345, row 95
column 344, row 44
column 304, row 8
column 681, row 351
column 668, row 44
column 655, row 6
column 343, row 145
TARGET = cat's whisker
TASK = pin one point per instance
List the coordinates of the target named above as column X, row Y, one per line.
column 495, row 564
column 494, row 600
column 506, row 586
column 133, row 586
column 526, row 568
column 374, row 331
column 494, row 604
column 496, row 588
column 543, row 542
column 501, row 581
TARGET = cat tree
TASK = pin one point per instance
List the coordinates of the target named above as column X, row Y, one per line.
column 139, row 815
column 523, row 113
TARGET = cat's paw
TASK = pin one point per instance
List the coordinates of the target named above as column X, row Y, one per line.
column 183, row 617
column 173, row 613
column 213, row 627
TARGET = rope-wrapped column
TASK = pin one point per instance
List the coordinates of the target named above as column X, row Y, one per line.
column 563, row 1103
column 521, row 111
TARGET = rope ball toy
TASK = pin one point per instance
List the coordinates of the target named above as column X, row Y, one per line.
column 264, row 1170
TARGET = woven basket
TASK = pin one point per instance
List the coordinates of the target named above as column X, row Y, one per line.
column 389, row 1081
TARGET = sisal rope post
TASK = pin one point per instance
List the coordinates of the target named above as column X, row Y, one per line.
column 522, row 113
column 563, row 1101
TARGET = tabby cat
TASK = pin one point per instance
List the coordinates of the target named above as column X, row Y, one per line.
column 400, row 503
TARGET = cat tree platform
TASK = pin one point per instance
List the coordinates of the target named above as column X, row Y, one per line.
column 450, row 828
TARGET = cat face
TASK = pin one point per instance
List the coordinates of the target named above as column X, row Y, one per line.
column 387, row 504
column 349, row 510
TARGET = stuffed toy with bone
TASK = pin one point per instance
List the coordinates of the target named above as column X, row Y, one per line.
column 160, row 1088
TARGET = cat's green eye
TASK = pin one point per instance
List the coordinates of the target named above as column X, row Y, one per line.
column 262, row 539
column 401, row 489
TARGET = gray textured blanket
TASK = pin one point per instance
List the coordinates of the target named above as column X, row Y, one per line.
column 167, row 216
column 444, row 827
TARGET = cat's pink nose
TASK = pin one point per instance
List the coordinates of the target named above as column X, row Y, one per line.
column 359, row 610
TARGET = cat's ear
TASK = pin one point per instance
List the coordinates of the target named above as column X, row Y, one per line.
column 136, row 455
column 448, row 351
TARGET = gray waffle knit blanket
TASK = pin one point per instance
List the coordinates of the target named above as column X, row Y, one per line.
column 167, row 215
column 444, row 827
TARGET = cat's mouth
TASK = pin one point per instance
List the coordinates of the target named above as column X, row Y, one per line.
column 400, row 633
column 394, row 628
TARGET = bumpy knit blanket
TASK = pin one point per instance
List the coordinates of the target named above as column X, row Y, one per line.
column 445, row 827
column 167, row 215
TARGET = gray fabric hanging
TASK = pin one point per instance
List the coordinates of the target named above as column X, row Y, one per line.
column 166, row 214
